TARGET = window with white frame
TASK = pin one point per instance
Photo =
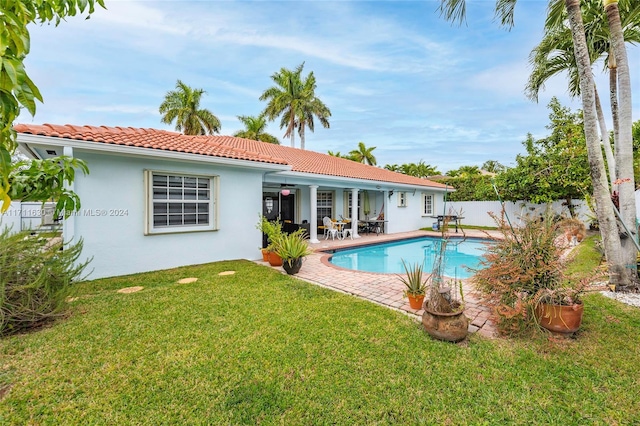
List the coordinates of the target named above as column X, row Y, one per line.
column 347, row 204
column 428, row 206
column 402, row 199
column 325, row 204
column 179, row 203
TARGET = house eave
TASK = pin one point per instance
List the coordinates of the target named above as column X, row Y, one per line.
column 304, row 178
column 28, row 141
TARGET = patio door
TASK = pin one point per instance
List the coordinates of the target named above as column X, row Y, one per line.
column 276, row 206
column 288, row 207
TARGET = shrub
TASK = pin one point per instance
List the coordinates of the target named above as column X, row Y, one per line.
column 36, row 274
column 517, row 267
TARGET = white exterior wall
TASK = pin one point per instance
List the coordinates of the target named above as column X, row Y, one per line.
column 410, row 218
column 117, row 242
column 12, row 217
column 26, row 216
column 475, row 213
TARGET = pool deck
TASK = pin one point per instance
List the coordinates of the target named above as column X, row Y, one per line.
column 387, row 289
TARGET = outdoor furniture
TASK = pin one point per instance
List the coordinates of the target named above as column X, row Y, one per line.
column 329, row 228
column 373, row 225
column 340, row 226
column 347, row 230
column 449, row 218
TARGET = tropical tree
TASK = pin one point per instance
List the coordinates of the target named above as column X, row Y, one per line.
column 44, row 179
column 293, row 99
column 421, row 169
column 311, row 107
column 465, row 171
column 183, row 106
column 619, row 275
column 363, row 154
column 554, row 168
column 555, row 54
column 254, row 129
column 493, row 166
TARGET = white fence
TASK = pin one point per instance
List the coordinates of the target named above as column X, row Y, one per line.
column 29, row 216
column 476, row 213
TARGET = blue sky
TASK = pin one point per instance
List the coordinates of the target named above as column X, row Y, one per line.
column 394, row 74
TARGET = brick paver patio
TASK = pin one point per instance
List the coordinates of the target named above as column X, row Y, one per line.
column 386, row 289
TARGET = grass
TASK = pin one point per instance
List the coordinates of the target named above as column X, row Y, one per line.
column 262, row 347
column 583, row 258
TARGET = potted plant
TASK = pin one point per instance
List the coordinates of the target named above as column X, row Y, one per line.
column 522, row 277
column 443, row 317
column 273, row 232
column 415, row 284
column 292, row 248
column 560, row 310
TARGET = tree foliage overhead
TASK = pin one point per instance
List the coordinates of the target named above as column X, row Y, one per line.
column 556, row 167
column 17, row 91
column 294, row 100
column 183, row 106
column 421, row 169
column 363, row 154
column 254, row 129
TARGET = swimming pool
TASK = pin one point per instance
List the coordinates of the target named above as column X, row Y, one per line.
column 387, row 257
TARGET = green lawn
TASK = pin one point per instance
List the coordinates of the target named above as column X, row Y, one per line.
column 261, row 347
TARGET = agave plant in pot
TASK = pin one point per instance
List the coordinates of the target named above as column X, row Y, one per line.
column 415, row 284
column 292, row 248
column 443, row 317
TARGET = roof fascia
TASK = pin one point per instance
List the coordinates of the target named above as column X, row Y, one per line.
column 345, row 182
column 27, row 139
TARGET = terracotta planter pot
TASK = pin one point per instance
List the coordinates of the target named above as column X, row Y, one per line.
column 274, row 259
column 559, row 318
column 292, row 267
column 265, row 255
column 415, row 300
column 450, row 327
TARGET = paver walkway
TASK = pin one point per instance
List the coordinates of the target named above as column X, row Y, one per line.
column 386, row 289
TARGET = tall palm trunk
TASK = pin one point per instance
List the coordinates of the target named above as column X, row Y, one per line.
column 613, row 96
column 624, row 148
column 301, row 133
column 291, row 130
column 604, row 206
column 604, row 140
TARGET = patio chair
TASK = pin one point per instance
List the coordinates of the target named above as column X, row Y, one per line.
column 347, row 232
column 329, row 228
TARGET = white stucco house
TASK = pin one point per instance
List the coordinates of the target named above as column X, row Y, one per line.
column 156, row 199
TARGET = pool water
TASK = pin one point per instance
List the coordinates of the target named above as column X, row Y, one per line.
column 387, row 257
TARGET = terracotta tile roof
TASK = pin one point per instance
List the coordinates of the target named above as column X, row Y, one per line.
column 146, row 138
column 227, row 147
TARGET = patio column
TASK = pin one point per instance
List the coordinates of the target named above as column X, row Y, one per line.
column 354, row 213
column 313, row 222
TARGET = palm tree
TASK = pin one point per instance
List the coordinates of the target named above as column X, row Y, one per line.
column 254, row 129
column 311, row 107
column 363, row 154
column 492, row 166
column 555, row 54
column 455, row 10
column 465, row 171
column 293, row 99
column 183, row 106
column 420, row 170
